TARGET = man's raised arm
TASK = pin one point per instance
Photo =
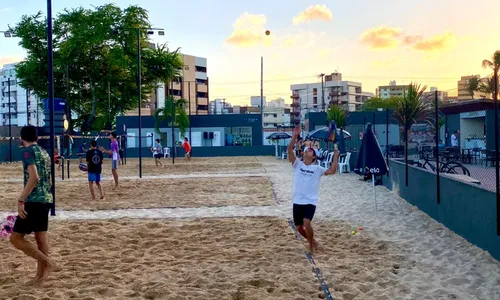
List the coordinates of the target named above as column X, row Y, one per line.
column 291, row 154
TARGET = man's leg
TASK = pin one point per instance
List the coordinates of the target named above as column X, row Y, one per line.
column 309, row 234
column 91, row 187
column 17, row 239
column 302, row 231
column 114, row 171
column 43, row 245
column 99, row 187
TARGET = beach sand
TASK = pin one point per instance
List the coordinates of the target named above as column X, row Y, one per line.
column 246, row 258
column 225, row 165
column 233, row 252
column 154, row 193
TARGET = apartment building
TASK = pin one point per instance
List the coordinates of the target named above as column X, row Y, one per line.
column 23, row 105
column 275, row 117
column 314, row 97
column 462, row 87
column 391, row 90
column 220, row 107
column 255, row 101
column 192, row 86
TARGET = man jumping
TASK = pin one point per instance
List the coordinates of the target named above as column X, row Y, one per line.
column 34, row 204
column 307, row 175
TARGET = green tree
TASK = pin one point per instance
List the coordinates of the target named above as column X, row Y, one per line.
column 98, row 48
column 338, row 114
column 487, row 87
column 376, row 103
column 494, row 64
column 413, row 108
column 181, row 119
column 473, row 86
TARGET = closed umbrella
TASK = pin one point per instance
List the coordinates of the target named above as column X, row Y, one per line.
column 370, row 159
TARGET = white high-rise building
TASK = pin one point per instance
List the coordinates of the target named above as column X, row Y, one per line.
column 276, row 103
column 255, row 101
column 22, row 103
column 314, row 97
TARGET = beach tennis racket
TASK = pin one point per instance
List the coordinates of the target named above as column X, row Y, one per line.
column 333, row 132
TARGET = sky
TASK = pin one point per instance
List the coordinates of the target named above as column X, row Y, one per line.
column 431, row 42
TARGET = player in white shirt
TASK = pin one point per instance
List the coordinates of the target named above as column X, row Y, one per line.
column 307, row 175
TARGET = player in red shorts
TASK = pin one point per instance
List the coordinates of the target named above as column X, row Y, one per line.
column 187, row 148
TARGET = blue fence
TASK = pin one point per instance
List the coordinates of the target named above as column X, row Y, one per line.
column 467, row 209
column 212, row 151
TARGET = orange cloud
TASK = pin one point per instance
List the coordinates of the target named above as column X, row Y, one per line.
column 249, row 30
column 10, row 59
column 412, row 39
column 381, row 37
column 437, row 42
column 316, row 12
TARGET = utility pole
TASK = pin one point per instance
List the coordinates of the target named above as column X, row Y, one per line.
column 322, row 91
column 10, row 122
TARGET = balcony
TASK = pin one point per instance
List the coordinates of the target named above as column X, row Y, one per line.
column 295, row 96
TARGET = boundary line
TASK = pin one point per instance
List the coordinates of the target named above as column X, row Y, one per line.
column 316, row 270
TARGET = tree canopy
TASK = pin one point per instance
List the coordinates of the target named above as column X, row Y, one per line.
column 376, row 103
column 98, row 49
column 181, row 119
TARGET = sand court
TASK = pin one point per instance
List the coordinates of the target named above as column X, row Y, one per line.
column 155, row 193
column 244, row 258
column 225, row 165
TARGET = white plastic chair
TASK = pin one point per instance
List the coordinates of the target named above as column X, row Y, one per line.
column 344, row 163
column 166, row 152
column 328, row 161
column 284, row 155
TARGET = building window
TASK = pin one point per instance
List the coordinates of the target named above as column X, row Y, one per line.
column 238, row 136
column 201, row 94
column 315, row 91
column 201, row 81
column 201, row 69
column 315, row 100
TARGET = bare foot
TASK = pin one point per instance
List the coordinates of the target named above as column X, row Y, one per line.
column 35, row 281
column 51, row 267
column 115, row 187
column 93, row 198
column 102, row 197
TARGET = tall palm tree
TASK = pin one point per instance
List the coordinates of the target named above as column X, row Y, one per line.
column 487, row 87
column 494, row 64
column 181, row 119
column 411, row 109
column 473, row 86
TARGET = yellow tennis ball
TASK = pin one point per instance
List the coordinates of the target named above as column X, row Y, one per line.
column 353, row 232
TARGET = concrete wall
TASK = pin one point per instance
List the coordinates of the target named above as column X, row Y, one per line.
column 467, row 209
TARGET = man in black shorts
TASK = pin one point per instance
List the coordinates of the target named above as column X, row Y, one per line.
column 34, row 204
column 307, row 176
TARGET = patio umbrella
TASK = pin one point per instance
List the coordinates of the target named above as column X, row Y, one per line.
column 323, row 134
column 278, row 136
column 370, row 159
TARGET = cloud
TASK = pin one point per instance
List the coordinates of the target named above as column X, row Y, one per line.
column 316, row 12
column 4, row 9
column 438, row 42
column 381, row 37
column 10, row 59
column 249, row 30
column 412, row 39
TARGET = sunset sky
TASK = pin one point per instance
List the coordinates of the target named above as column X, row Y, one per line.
column 369, row 41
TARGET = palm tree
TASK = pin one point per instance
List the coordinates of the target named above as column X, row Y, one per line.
column 494, row 64
column 473, row 86
column 488, row 87
column 411, row 109
column 181, row 119
column 338, row 114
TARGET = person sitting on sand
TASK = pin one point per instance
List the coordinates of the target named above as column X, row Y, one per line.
column 34, row 204
column 187, row 148
column 115, row 156
column 307, row 177
column 94, row 164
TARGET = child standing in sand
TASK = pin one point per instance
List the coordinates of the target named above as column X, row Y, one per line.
column 307, row 176
column 115, row 156
column 34, row 204
column 94, row 163
column 187, row 148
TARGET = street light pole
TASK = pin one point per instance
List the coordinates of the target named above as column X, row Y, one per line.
column 10, row 121
column 51, row 103
column 139, row 91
